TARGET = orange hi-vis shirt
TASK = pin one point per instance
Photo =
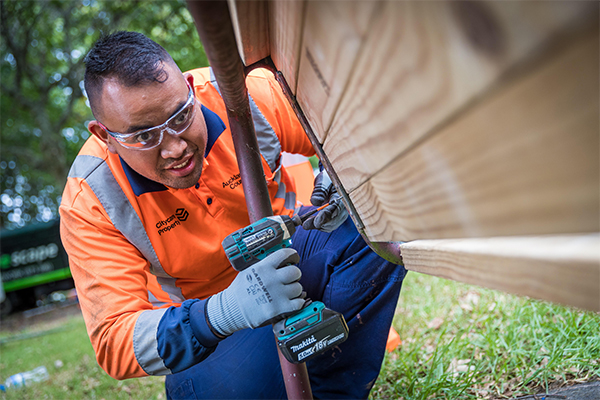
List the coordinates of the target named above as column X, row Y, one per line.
column 146, row 257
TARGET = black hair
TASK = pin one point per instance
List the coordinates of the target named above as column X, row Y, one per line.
column 130, row 57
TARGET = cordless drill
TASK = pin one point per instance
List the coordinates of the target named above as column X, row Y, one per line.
column 313, row 329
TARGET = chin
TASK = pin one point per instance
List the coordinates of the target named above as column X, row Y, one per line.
column 185, row 182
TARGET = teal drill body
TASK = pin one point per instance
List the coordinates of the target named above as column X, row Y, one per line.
column 251, row 244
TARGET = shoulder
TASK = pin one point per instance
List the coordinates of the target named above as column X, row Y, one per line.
column 264, row 89
column 94, row 165
column 261, row 78
column 202, row 74
column 202, row 78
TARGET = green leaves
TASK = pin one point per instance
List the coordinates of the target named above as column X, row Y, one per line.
column 43, row 108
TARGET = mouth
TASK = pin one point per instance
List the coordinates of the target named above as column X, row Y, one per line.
column 181, row 164
column 183, row 167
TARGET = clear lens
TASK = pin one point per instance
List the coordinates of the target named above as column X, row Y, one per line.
column 182, row 119
column 144, row 139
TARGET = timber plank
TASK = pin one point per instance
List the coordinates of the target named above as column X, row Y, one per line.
column 421, row 63
column 523, row 161
column 332, row 37
column 250, row 21
column 563, row 269
column 285, row 32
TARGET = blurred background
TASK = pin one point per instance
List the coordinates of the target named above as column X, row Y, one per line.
column 44, row 110
column 44, row 115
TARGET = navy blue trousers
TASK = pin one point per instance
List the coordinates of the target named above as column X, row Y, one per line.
column 340, row 270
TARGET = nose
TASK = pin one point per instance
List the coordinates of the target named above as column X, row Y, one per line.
column 173, row 145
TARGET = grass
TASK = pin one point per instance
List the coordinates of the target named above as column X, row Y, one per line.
column 459, row 342
column 464, row 342
column 67, row 353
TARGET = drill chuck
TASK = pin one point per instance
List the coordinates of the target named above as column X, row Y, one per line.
column 251, row 244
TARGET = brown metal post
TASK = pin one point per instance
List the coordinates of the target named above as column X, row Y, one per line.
column 213, row 23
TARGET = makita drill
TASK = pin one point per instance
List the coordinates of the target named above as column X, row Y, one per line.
column 313, row 329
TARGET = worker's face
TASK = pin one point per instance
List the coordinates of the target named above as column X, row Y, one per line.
column 177, row 161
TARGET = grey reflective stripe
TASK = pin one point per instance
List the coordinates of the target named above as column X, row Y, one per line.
column 290, row 197
column 155, row 302
column 282, row 193
column 268, row 142
column 99, row 177
column 145, row 343
column 213, row 80
column 277, row 175
column 290, row 200
column 84, row 166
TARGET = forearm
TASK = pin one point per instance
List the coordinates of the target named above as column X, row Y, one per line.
column 152, row 341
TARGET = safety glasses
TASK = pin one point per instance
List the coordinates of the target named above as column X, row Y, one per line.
column 146, row 139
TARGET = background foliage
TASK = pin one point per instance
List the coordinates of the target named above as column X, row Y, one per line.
column 43, row 108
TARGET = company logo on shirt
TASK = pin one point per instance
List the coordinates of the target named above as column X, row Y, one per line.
column 181, row 214
column 172, row 221
column 233, row 182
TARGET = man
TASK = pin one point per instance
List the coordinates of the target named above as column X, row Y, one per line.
column 147, row 203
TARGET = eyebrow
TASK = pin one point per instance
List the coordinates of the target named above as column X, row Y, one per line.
column 135, row 128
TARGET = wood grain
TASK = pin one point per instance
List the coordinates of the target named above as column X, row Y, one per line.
column 423, row 62
column 251, row 26
column 562, row 269
column 332, row 38
column 523, row 161
column 285, row 32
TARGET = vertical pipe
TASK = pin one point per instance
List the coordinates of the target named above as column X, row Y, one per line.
column 216, row 32
column 213, row 23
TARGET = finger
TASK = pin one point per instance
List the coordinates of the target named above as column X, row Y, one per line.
column 293, row 291
column 322, row 190
column 309, row 224
column 297, row 303
column 283, row 257
column 326, row 215
column 289, row 274
column 319, row 196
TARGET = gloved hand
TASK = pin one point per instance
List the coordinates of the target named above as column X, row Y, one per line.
column 332, row 216
column 259, row 294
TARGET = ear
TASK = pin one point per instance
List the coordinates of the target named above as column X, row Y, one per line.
column 96, row 130
column 190, row 79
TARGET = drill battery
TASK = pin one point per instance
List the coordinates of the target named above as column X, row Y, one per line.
column 310, row 332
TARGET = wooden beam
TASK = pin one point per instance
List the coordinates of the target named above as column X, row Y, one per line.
column 523, row 161
column 333, row 35
column 286, row 19
column 250, row 21
column 562, row 269
column 421, row 64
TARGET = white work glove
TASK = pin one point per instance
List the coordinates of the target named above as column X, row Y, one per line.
column 263, row 292
column 332, row 216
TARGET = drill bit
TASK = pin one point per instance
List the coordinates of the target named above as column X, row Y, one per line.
column 305, row 217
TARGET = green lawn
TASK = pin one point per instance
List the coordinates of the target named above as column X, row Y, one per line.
column 464, row 342
column 459, row 342
column 79, row 377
